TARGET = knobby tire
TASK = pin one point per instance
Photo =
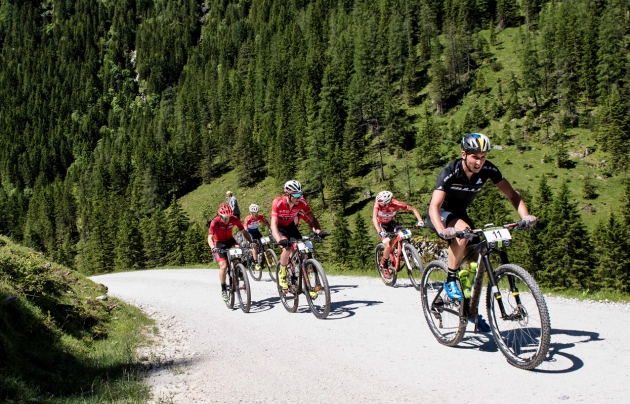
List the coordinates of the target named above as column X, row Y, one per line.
column 378, row 254
column 289, row 300
column 414, row 267
column 243, row 291
column 315, row 280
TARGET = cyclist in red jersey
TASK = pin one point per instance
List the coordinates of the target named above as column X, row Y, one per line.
column 252, row 221
column 302, row 217
column 220, row 237
column 385, row 209
column 284, row 211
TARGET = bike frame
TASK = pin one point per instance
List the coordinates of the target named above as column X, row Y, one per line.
column 484, row 256
column 395, row 258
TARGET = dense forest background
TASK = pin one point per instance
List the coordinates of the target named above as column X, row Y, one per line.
column 113, row 110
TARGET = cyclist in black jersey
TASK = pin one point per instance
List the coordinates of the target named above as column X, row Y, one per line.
column 457, row 186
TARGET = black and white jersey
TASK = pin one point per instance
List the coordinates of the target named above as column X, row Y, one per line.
column 460, row 191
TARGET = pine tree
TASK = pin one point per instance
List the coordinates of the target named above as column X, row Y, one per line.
column 530, row 68
column 128, row 246
column 176, row 227
column 361, row 244
column 569, row 260
column 611, row 247
column 611, row 53
column 342, row 237
column 196, row 250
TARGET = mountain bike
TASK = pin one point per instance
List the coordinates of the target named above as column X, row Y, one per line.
column 403, row 255
column 267, row 258
column 312, row 280
column 516, row 308
column 237, row 280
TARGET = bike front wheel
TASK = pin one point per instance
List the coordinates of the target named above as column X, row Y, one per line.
column 288, row 297
column 271, row 260
column 388, row 279
column 524, row 334
column 414, row 266
column 256, row 274
column 243, row 292
column 230, row 289
column 443, row 315
column 316, row 288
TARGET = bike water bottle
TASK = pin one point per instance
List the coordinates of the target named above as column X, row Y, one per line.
column 466, row 277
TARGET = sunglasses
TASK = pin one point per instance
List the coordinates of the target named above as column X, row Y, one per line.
column 225, row 217
column 296, row 196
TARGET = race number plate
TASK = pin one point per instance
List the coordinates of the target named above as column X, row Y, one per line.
column 264, row 240
column 404, row 234
column 493, row 235
column 235, row 252
column 305, row 246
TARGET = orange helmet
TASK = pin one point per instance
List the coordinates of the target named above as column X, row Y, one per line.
column 224, row 210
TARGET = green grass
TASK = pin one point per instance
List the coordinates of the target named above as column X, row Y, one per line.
column 58, row 342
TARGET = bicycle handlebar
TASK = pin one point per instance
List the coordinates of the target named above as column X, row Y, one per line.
column 521, row 225
column 317, row 237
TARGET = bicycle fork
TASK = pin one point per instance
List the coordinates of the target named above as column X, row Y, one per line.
column 493, row 284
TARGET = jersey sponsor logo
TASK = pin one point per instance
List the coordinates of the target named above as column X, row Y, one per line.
column 479, row 181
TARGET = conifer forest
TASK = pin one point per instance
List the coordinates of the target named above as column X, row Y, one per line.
column 112, row 110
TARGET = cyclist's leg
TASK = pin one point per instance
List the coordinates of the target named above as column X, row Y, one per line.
column 388, row 227
column 256, row 236
column 221, row 259
column 289, row 232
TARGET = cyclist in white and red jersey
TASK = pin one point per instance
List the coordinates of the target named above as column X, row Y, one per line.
column 385, row 208
column 220, row 238
column 284, row 210
column 252, row 221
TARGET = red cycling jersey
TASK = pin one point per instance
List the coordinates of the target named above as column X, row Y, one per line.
column 252, row 223
column 223, row 231
column 280, row 209
column 304, row 218
column 385, row 214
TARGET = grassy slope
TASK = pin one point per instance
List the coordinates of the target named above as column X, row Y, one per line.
column 58, row 343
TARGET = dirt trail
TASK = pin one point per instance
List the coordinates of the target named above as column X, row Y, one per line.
column 375, row 347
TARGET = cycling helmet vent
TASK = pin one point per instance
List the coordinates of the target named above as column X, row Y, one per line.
column 384, row 197
column 293, row 187
column 476, row 142
column 224, row 210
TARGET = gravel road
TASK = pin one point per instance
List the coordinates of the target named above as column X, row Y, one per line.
column 375, row 347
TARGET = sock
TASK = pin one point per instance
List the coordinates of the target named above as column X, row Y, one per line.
column 223, row 287
column 452, row 275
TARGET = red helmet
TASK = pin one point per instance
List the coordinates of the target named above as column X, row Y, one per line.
column 224, row 210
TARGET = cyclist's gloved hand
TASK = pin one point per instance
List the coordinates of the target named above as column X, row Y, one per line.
column 447, row 233
column 284, row 243
column 420, row 223
column 530, row 220
column 383, row 234
column 216, row 250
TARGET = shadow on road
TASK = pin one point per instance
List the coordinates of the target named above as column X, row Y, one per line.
column 559, row 361
column 347, row 308
column 267, row 304
column 339, row 288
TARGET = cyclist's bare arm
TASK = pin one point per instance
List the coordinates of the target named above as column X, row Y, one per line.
column 434, row 209
column 377, row 226
column 210, row 241
column 274, row 228
column 316, row 227
column 246, row 234
column 415, row 212
column 514, row 197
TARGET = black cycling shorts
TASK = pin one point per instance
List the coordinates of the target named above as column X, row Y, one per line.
column 290, row 232
column 447, row 217
column 390, row 227
column 256, row 235
column 222, row 256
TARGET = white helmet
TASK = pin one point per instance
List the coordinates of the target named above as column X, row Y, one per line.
column 293, row 187
column 384, row 197
column 254, row 208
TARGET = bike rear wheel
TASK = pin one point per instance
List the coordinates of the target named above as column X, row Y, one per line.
column 316, row 282
column 524, row 335
column 443, row 315
column 243, row 292
column 378, row 256
column 256, row 274
column 414, row 267
column 289, row 298
column 271, row 260
column 230, row 289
